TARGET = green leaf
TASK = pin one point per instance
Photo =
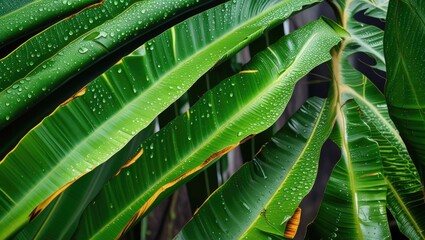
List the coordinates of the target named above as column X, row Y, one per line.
column 52, row 40
column 353, row 206
column 260, row 198
column 123, row 101
column 244, row 104
column 353, row 84
column 65, row 62
column 405, row 195
column 405, row 203
column 72, row 202
column 363, row 38
column 405, row 88
column 42, row 13
column 9, row 6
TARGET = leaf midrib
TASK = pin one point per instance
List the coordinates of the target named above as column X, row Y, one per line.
column 205, row 143
column 166, row 75
column 406, row 209
column 307, row 144
column 223, row 126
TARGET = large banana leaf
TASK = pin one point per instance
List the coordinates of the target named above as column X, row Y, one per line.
column 354, row 206
column 34, row 52
column 9, row 6
column 353, row 84
column 244, row 104
column 260, row 198
column 65, row 62
column 72, row 202
column 41, row 12
column 405, row 195
column 405, row 88
column 41, row 47
column 108, row 113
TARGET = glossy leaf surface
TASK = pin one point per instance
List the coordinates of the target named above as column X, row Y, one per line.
column 405, row 88
column 72, row 202
column 40, row 12
column 354, row 203
column 260, row 198
column 65, row 62
column 123, row 101
column 352, row 84
column 405, row 195
column 244, row 104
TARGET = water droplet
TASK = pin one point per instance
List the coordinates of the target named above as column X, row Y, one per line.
column 83, row 50
column 246, row 206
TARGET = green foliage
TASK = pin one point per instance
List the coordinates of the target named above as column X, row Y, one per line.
column 405, row 89
column 94, row 165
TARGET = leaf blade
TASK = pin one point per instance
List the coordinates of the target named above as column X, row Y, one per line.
column 405, row 86
column 265, row 213
column 86, row 129
column 231, row 110
column 353, row 206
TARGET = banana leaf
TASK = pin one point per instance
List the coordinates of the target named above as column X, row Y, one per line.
column 405, row 88
column 352, row 84
column 70, row 58
column 238, row 107
column 258, row 201
column 34, row 51
column 405, row 195
column 9, row 6
column 42, row 13
column 72, row 202
column 100, row 119
column 354, row 205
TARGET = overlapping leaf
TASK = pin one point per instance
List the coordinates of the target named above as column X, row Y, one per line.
column 41, row 12
column 72, row 202
column 405, row 196
column 63, row 62
column 260, row 198
column 108, row 113
column 353, row 84
column 354, row 203
column 244, row 104
column 405, row 89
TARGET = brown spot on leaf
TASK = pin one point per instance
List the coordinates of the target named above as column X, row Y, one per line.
column 37, row 210
column 130, row 161
column 247, row 138
column 292, row 225
column 155, row 196
column 78, row 94
column 88, row 7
